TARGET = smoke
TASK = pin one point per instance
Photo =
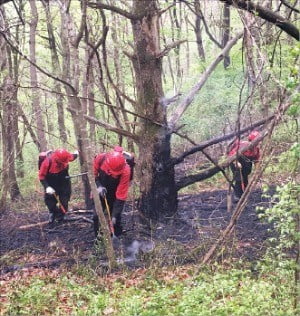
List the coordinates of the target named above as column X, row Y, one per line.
column 135, row 247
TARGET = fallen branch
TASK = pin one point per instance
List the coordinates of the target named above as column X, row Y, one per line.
column 70, row 219
column 81, row 211
column 33, row 225
column 79, row 218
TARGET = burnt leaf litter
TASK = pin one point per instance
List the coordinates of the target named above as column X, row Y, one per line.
column 27, row 240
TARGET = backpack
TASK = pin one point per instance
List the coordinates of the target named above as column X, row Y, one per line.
column 42, row 156
column 130, row 161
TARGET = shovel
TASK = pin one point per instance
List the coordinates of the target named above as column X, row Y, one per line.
column 59, row 203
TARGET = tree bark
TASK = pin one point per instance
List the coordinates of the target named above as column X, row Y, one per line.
column 158, row 194
column 9, row 179
column 71, row 42
column 33, row 78
column 56, row 70
column 8, row 95
column 226, row 33
column 198, row 30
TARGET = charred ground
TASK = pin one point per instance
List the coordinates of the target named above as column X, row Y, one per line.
column 27, row 241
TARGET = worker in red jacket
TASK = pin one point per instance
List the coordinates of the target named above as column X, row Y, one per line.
column 242, row 167
column 53, row 172
column 112, row 177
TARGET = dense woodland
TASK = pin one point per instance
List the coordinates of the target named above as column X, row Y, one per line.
column 174, row 82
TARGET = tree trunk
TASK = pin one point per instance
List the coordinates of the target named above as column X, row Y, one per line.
column 226, row 33
column 56, row 70
column 9, row 180
column 86, row 156
column 249, row 45
column 15, row 59
column 198, row 30
column 8, row 94
column 157, row 183
column 33, row 78
column 66, row 34
column 269, row 38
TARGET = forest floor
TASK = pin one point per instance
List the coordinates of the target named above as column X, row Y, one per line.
column 27, row 241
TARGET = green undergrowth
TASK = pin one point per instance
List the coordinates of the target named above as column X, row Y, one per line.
column 163, row 291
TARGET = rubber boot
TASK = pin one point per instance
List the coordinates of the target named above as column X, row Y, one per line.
column 51, row 218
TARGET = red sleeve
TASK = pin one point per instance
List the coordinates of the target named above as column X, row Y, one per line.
column 96, row 164
column 257, row 153
column 122, row 189
column 234, row 147
column 44, row 169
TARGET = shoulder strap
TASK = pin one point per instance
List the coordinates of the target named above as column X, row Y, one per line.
column 50, row 160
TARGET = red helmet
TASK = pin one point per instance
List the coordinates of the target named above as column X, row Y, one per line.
column 118, row 149
column 115, row 161
column 253, row 135
column 61, row 155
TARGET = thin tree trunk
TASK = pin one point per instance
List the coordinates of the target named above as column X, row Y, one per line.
column 56, row 70
column 178, row 24
column 33, row 78
column 198, row 30
column 71, row 42
column 15, row 69
column 269, row 29
column 226, row 33
column 9, row 179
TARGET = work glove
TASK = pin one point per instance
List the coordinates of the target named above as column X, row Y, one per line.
column 50, row 190
column 238, row 165
column 102, row 191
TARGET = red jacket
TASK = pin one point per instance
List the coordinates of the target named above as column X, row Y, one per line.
column 55, row 167
column 252, row 154
column 124, row 183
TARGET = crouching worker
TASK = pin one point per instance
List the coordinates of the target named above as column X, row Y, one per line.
column 242, row 167
column 112, row 177
column 53, row 170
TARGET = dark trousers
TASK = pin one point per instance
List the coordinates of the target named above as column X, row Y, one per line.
column 62, row 187
column 52, row 204
column 117, row 227
column 240, row 175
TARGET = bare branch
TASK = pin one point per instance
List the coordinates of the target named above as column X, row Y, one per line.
column 112, row 8
column 35, row 65
column 290, row 6
column 266, row 14
column 201, row 15
column 197, row 87
column 220, row 139
column 169, row 47
column 106, row 125
column 276, row 118
column 166, row 9
column 82, row 25
column 190, row 179
column 4, row 1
